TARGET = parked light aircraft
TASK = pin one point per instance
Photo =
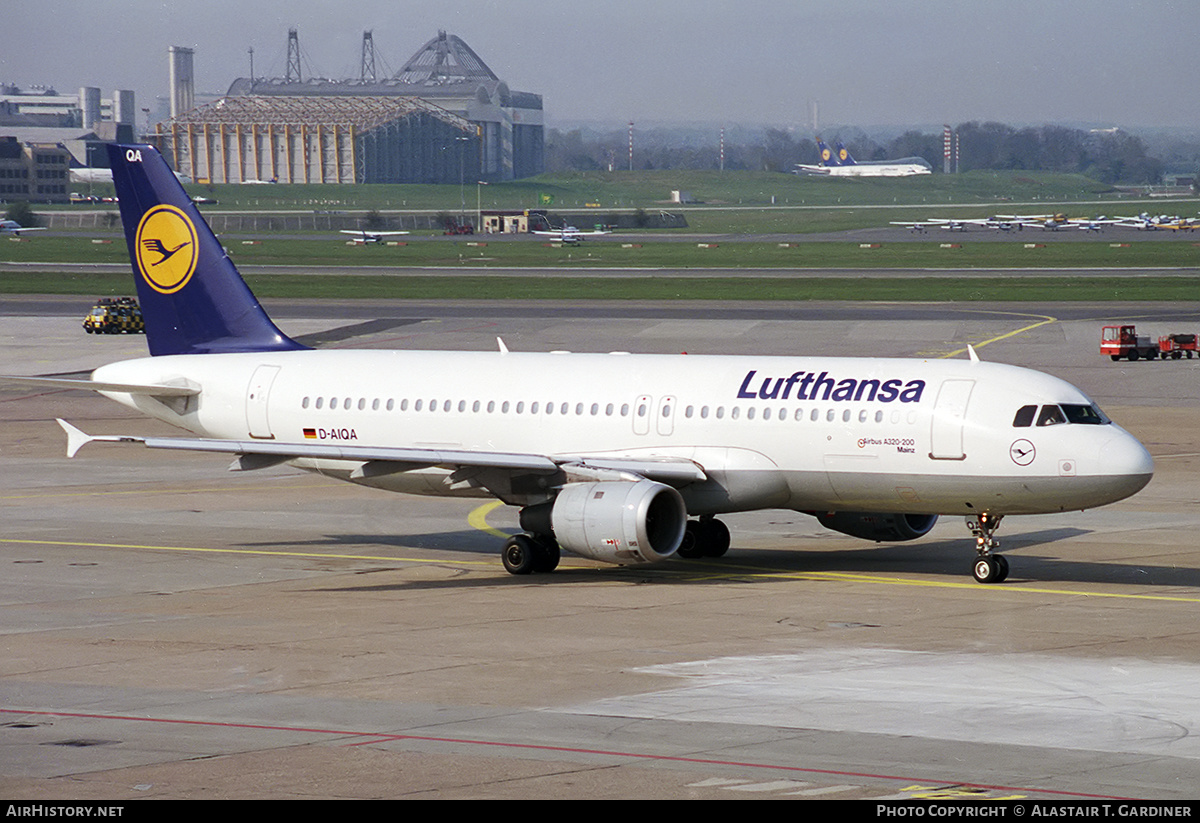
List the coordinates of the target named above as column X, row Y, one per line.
column 1010, row 222
column 948, row 224
column 365, row 236
column 13, row 227
column 1148, row 222
column 608, row 455
column 843, row 165
column 1057, row 222
column 569, row 234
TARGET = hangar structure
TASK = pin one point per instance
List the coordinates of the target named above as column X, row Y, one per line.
column 319, row 139
column 443, row 118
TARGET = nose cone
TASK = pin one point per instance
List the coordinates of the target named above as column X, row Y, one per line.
column 1126, row 464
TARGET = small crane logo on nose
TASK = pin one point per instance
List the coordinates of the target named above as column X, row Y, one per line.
column 1022, row 452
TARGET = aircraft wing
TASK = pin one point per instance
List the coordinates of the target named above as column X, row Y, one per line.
column 381, row 460
column 372, row 233
column 570, row 233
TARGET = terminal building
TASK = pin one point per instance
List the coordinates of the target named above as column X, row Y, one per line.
column 45, row 137
column 445, row 117
column 34, row 172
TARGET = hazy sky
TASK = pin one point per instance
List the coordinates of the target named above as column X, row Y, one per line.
column 1110, row 62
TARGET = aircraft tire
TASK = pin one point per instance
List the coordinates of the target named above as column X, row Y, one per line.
column 690, row 547
column 546, row 553
column 990, row 569
column 519, row 555
column 714, row 538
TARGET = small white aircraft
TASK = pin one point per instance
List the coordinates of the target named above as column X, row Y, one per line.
column 947, row 224
column 365, row 236
column 621, row 458
column 570, row 234
column 13, row 227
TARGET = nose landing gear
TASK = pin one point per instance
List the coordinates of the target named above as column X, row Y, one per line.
column 989, row 567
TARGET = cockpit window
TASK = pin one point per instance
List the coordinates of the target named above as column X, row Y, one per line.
column 1051, row 416
column 1090, row 415
column 1063, row 413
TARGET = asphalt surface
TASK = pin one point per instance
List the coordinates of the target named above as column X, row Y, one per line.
column 172, row 630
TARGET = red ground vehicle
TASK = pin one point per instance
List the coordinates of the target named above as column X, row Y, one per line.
column 1176, row 346
column 1124, row 341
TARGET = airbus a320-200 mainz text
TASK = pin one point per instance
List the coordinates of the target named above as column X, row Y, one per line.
column 623, row 458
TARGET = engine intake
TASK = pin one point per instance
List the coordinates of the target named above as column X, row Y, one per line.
column 619, row 522
column 879, row 526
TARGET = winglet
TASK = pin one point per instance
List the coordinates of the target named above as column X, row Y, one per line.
column 503, row 348
column 76, row 439
column 971, row 352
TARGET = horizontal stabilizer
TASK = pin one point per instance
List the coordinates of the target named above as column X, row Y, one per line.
column 77, row 439
column 150, row 390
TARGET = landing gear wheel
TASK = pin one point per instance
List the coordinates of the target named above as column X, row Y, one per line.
column 546, row 554
column 520, row 555
column 990, row 569
column 690, row 547
column 714, row 537
column 706, row 537
column 1003, row 563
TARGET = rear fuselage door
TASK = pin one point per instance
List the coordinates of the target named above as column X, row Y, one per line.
column 257, row 396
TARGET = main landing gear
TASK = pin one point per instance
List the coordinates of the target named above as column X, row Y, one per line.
column 706, row 537
column 526, row 554
column 989, row 567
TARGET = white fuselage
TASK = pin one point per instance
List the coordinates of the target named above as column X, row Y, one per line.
column 869, row 170
column 805, row 433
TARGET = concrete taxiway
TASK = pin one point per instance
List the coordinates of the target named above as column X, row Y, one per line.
column 170, row 629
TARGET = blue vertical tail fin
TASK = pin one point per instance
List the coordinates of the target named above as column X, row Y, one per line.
column 843, row 155
column 192, row 297
column 827, row 158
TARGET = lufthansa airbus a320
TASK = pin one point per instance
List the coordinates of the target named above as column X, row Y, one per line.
column 623, row 458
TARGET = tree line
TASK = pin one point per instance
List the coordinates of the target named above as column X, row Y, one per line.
column 1110, row 156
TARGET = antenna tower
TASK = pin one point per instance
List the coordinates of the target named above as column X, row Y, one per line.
column 293, row 57
column 368, row 58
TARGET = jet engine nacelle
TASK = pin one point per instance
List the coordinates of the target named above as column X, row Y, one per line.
column 879, row 526
column 618, row 521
